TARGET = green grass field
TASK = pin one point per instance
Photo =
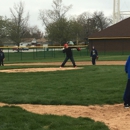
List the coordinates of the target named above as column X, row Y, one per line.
column 89, row 86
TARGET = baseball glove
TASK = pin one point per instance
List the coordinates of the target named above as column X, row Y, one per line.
column 97, row 57
column 78, row 49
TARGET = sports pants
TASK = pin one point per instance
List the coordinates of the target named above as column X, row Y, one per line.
column 66, row 59
column 126, row 96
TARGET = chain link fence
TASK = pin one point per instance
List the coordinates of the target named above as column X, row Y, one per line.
column 39, row 53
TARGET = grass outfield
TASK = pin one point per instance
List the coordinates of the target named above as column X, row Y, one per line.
column 88, row 86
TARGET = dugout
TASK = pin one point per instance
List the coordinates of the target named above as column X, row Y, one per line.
column 114, row 38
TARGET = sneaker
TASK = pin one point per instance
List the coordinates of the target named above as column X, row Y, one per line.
column 75, row 66
column 126, row 106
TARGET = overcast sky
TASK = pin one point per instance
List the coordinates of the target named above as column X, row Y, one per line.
column 78, row 7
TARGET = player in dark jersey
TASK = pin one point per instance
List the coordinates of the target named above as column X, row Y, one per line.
column 94, row 55
column 69, row 55
column 2, row 57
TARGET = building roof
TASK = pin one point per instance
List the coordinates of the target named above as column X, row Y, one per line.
column 41, row 40
column 120, row 30
column 34, row 40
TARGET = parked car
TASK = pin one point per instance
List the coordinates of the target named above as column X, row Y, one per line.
column 20, row 48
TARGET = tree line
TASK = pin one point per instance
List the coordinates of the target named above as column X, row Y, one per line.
column 59, row 28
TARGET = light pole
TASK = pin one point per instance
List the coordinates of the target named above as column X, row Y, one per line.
column 116, row 11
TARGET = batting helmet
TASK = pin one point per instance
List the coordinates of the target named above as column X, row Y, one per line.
column 65, row 45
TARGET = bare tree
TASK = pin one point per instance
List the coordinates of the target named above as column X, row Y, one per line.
column 92, row 23
column 4, row 22
column 84, row 20
column 59, row 12
column 35, row 32
column 19, row 22
column 101, row 21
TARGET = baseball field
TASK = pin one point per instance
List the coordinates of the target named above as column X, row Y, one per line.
column 42, row 96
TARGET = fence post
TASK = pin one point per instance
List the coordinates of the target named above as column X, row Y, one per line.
column 21, row 54
column 8, row 54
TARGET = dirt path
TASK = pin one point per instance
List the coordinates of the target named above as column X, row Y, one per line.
column 69, row 63
column 116, row 117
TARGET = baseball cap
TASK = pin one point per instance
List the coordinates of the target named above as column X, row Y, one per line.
column 65, row 45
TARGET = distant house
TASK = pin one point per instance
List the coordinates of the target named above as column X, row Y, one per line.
column 113, row 38
column 41, row 40
column 33, row 41
column 6, row 42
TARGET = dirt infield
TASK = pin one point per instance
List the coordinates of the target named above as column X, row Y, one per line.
column 116, row 117
column 56, row 64
column 38, row 69
column 69, row 63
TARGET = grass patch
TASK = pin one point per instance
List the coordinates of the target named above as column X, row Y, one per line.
column 88, row 86
column 15, row 118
